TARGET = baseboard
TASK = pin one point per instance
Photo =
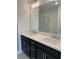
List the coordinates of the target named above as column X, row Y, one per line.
column 19, row 52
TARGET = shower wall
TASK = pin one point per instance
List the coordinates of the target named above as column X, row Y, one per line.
column 48, row 20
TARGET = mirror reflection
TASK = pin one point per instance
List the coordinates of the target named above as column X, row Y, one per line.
column 46, row 16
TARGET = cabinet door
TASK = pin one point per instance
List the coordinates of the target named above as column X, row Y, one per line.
column 33, row 50
column 48, row 56
column 25, row 45
column 40, row 54
column 50, row 51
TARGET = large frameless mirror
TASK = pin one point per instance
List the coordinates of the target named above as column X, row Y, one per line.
column 46, row 15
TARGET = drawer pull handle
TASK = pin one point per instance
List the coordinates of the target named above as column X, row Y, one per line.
column 45, row 56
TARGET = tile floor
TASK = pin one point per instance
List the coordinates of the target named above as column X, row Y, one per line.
column 22, row 56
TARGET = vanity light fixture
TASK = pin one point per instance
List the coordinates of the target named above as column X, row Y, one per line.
column 35, row 5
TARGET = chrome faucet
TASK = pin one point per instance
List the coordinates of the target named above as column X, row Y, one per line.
column 55, row 36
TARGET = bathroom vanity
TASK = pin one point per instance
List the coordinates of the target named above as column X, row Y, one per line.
column 38, row 46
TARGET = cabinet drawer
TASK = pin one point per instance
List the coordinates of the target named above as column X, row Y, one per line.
column 49, row 50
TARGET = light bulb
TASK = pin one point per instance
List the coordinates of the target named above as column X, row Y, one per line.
column 56, row 3
column 35, row 5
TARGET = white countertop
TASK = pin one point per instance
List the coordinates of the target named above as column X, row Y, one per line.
column 44, row 39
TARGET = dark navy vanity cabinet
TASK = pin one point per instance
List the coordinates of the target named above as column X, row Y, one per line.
column 25, row 44
column 36, row 50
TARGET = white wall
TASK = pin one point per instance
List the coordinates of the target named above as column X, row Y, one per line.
column 23, row 19
column 59, row 20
